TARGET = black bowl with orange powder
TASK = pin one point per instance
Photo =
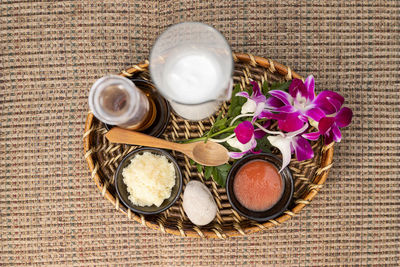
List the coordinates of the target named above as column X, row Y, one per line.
column 257, row 190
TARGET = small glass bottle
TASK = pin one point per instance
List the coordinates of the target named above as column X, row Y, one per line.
column 115, row 100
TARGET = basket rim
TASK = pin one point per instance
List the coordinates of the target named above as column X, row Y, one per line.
column 313, row 189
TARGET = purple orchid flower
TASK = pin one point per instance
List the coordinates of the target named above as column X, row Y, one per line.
column 289, row 142
column 301, row 104
column 259, row 133
column 255, row 103
column 329, row 126
column 244, row 141
column 295, row 112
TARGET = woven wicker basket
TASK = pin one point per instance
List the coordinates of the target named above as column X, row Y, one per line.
column 103, row 159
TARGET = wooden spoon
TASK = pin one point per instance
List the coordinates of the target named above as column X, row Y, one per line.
column 207, row 154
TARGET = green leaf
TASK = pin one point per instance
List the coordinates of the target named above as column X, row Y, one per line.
column 224, row 135
column 236, row 111
column 263, row 144
column 199, row 168
column 220, row 124
column 249, row 89
column 208, row 171
column 217, row 121
column 281, row 86
column 224, row 168
column 265, row 88
column 235, row 100
column 236, row 104
column 220, row 174
column 218, row 178
column 242, row 100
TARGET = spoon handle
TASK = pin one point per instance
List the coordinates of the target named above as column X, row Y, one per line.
column 123, row 136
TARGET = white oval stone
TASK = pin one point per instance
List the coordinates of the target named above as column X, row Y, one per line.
column 198, row 203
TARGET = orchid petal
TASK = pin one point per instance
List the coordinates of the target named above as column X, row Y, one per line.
column 259, row 99
column 282, row 96
column 237, row 155
column 256, row 89
column 343, row 117
column 265, row 114
column 290, row 123
column 335, row 103
column 244, row 148
column 315, row 113
column 326, row 106
column 311, row 136
column 249, row 107
column 291, row 134
column 297, row 87
column 273, row 102
column 331, row 95
column 286, row 109
column 258, row 111
column 283, row 144
column 253, row 144
column 337, row 135
column 325, row 124
column 268, row 131
column 310, row 85
column 328, row 137
column 244, row 132
column 234, row 142
column 328, row 101
column 243, row 94
column 258, row 133
column 302, row 148
column 291, row 147
column 303, row 117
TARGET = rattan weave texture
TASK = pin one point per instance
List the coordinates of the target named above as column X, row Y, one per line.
column 103, row 159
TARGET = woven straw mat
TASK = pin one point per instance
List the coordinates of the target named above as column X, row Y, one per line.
column 51, row 52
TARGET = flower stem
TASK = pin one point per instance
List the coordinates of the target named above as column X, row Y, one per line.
column 240, row 116
column 228, row 129
column 291, row 134
column 231, row 128
column 268, row 131
column 222, row 140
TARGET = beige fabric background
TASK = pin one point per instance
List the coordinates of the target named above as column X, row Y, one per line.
column 51, row 53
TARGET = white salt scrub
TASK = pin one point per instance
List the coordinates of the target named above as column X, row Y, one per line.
column 149, row 179
column 198, row 203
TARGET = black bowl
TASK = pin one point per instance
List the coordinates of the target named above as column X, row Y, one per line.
column 122, row 190
column 275, row 210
